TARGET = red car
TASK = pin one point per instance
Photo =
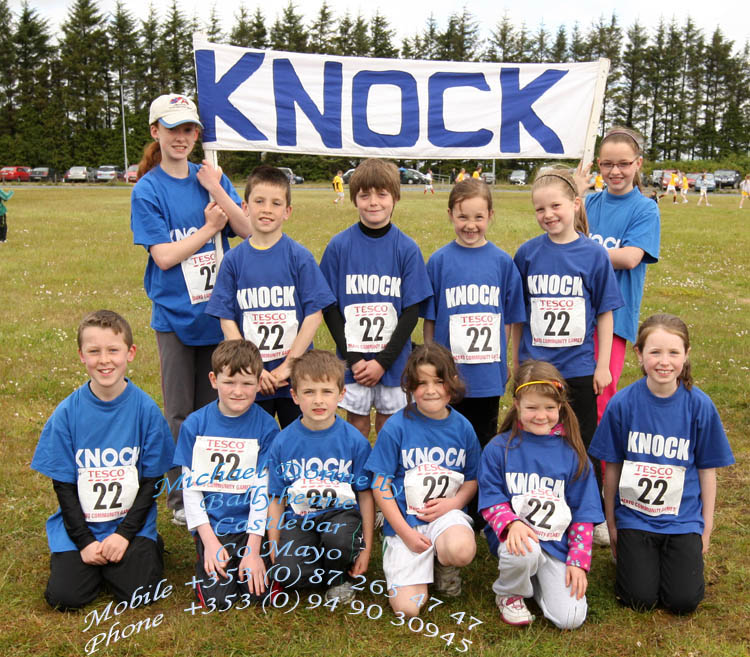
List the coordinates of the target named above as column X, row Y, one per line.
column 17, row 174
column 131, row 175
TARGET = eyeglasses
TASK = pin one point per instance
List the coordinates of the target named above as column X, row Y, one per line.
column 622, row 166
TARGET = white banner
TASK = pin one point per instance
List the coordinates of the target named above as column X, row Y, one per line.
column 263, row 100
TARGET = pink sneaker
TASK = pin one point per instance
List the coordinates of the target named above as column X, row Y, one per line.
column 513, row 610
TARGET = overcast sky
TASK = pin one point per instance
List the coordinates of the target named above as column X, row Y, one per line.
column 408, row 17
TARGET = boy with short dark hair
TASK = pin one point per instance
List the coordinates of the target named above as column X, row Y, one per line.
column 222, row 448
column 270, row 291
column 379, row 278
column 321, row 500
column 104, row 447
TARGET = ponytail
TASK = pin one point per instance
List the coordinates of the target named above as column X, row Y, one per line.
column 151, row 157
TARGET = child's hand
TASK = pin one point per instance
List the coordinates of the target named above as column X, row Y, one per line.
column 215, row 557
column 576, row 579
column 113, row 547
column 436, row 508
column 361, row 563
column 602, row 378
column 518, row 537
column 370, row 374
column 706, row 539
column 581, row 177
column 208, row 175
column 267, row 383
column 92, row 554
column 612, row 539
column 216, row 218
column 253, row 569
column 416, row 542
column 281, row 374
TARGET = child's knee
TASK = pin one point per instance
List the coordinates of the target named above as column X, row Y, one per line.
column 459, row 553
column 571, row 616
column 682, row 602
column 409, row 608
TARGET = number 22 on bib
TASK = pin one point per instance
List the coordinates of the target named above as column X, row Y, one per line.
column 558, row 321
column 428, row 482
column 475, row 337
column 652, row 488
column 546, row 513
column 107, row 493
column 199, row 272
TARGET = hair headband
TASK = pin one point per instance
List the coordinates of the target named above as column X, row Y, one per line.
column 563, row 178
column 556, row 384
column 627, row 134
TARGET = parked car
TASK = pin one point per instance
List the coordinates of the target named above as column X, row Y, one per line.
column 15, row 174
column 488, row 177
column 131, row 175
column 293, row 179
column 108, row 172
column 693, row 179
column 727, row 178
column 77, row 174
column 42, row 174
column 656, row 175
column 347, row 175
column 518, row 177
column 412, row 177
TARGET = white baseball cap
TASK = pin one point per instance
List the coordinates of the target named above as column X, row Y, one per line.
column 172, row 110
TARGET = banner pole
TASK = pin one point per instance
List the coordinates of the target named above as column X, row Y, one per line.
column 213, row 159
column 596, row 111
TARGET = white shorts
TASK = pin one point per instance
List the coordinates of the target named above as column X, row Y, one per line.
column 671, row 188
column 360, row 399
column 340, row 194
column 402, row 567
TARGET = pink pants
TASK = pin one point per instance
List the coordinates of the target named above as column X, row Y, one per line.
column 616, row 363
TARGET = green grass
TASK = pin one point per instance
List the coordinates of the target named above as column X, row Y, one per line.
column 70, row 251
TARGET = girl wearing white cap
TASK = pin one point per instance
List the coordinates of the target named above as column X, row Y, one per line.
column 173, row 218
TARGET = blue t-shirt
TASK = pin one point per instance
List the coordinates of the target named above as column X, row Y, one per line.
column 407, row 441
column 627, row 220
column 338, row 453
column 472, row 287
column 268, row 293
column 683, row 430
column 373, row 280
column 253, row 426
column 85, row 432
column 532, row 462
column 166, row 209
column 561, row 282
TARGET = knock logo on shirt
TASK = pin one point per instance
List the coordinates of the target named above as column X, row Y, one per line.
column 387, row 286
column 569, row 286
column 277, row 296
column 97, row 458
column 415, row 456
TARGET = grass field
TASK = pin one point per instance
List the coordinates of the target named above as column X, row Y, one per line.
column 70, row 251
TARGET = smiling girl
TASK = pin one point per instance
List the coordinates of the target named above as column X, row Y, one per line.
column 662, row 440
column 172, row 218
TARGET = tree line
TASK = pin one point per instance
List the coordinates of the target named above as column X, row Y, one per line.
column 61, row 95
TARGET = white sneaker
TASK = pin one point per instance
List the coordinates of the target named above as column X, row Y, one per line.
column 344, row 592
column 601, row 534
column 447, row 579
column 513, row 610
column 179, row 518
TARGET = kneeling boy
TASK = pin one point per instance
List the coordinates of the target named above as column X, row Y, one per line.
column 222, row 448
column 105, row 447
column 323, row 529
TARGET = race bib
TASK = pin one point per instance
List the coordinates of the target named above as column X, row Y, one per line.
column 272, row 331
column 558, row 321
column 226, row 460
column 427, row 482
column 199, row 272
column 369, row 326
column 548, row 515
column 308, row 495
column 475, row 337
column 107, row 493
column 652, row 488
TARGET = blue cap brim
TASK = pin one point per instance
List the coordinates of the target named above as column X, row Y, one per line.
column 176, row 123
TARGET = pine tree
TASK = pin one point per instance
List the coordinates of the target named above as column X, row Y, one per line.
column 430, row 40
column 177, row 52
column 655, row 77
column 321, row 31
column 578, row 46
column 381, row 37
column 123, row 39
column 361, row 43
column 149, row 68
column 559, row 50
column 460, row 41
column 213, row 29
column 631, row 108
column 288, row 32
column 7, row 64
column 540, row 48
column 502, row 41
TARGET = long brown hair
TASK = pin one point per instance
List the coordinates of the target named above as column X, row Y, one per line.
column 562, row 179
column 548, row 382
column 671, row 324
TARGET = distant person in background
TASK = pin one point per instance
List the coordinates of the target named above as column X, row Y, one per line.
column 428, row 183
column 598, row 182
column 452, row 179
column 702, row 185
column 5, row 196
column 685, row 188
column 461, row 175
column 338, row 186
column 477, row 173
column 744, row 190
